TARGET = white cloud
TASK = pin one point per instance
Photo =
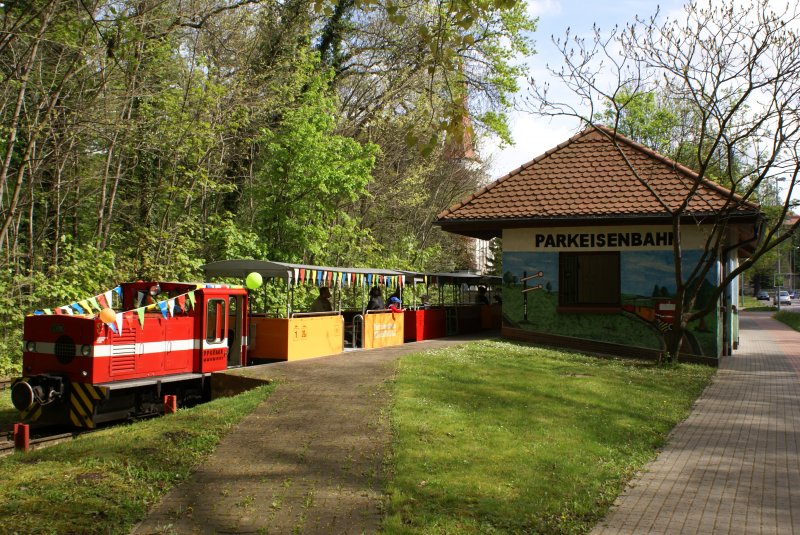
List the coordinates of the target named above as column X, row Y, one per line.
column 544, row 7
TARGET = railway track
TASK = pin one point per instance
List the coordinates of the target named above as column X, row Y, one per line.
column 38, row 441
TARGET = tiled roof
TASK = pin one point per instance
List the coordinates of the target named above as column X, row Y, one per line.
column 587, row 177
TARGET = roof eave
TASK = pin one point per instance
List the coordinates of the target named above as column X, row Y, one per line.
column 480, row 228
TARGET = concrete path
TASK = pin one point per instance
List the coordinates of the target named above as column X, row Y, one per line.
column 733, row 466
column 308, row 460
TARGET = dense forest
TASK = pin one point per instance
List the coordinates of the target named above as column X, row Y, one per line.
column 143, row 138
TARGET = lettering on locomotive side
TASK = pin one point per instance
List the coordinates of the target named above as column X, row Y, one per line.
column 214, row 355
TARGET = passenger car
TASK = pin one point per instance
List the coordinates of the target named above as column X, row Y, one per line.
column 762, row 296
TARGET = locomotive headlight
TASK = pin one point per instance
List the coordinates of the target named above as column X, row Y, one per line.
column 86, row 350
column 85, row 373
column 30, row 346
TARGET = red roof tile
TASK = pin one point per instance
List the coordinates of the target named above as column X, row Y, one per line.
column 588, row 177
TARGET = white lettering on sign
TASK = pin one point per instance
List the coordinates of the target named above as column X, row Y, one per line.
column 384, row 330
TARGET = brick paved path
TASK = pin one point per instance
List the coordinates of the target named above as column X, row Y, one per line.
column 733, row 465
column 308, row 460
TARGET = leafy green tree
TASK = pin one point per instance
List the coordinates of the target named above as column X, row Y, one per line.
column 306, row 173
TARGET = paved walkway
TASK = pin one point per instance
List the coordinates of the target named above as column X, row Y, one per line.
column 308, row 460
column 733, row 466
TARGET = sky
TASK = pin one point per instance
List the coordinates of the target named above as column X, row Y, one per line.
column 534, row 135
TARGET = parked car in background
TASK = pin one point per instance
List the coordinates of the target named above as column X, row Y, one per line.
column 762, row 296
column 783, row 298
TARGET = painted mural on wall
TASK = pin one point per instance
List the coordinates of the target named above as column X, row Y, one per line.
column 644, row 305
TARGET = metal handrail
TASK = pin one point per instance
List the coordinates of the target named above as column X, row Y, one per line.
column 358, row 331
column 312, row 314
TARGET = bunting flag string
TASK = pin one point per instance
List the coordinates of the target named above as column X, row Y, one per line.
column 140, row 314
column 171, row 307
column 162, row 306
column 84, row 306
column 120, row 316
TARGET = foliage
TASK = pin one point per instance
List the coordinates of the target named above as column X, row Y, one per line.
column 306, row 174
column 487, row 439
column 167, row 135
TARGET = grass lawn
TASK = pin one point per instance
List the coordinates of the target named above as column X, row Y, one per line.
column 8, row 414
column 497, row 437
column 792, row 319
column 754, row 305
column 105, row 482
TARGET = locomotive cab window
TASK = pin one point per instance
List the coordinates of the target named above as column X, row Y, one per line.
column 215, row 321
column 589, row 280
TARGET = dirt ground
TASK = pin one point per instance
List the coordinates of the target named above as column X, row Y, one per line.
column 310, row 459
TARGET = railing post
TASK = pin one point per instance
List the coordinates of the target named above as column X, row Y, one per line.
column 170, row 404
column 22, row 437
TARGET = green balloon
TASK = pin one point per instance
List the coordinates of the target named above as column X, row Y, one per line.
column 253, row 281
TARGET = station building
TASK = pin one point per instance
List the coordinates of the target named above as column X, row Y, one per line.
column 588, row 247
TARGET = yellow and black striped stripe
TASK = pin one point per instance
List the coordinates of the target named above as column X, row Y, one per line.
column 31, row 414
column 82, row 402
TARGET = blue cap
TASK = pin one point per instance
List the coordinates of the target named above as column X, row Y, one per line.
column 394, row 300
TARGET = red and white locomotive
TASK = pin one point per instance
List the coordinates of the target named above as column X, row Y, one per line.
column 81, row 369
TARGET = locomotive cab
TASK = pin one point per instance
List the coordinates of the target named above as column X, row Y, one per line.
column 81, row 370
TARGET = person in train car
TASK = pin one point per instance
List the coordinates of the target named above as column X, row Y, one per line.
column 425, row 302
column 323, row 302
column 481, row 298
column 375, row 299
column 396, row 295
column 395, row 305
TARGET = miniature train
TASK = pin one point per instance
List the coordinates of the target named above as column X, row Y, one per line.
column 86, row 364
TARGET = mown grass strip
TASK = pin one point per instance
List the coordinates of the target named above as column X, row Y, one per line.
column 105, row 482
column 496, row 437
column 792, row 319
column 752, row 304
